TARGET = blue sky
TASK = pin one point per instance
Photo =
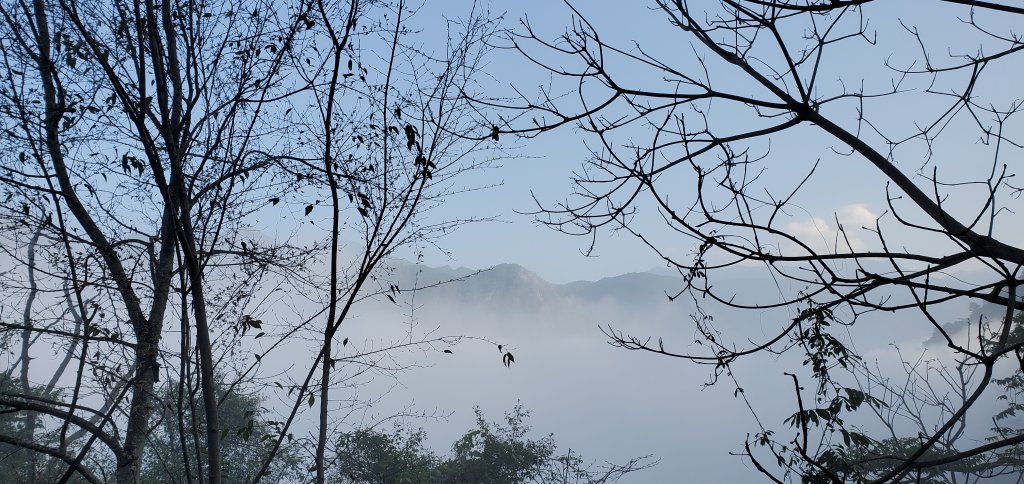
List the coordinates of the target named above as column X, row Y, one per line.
column 842, row 185
column 541, row 166
column 844, row 188
column 610, row 403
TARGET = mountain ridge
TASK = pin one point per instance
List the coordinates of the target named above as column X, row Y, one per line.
column 510, row 283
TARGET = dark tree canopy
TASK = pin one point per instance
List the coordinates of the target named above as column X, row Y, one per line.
column 491, row 453
column 246, row 440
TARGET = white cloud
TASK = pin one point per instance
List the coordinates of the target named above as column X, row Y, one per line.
column 856, row 215
column 808, row 230
column 822, row 235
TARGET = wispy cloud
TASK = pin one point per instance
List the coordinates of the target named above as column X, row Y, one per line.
column 822, row 234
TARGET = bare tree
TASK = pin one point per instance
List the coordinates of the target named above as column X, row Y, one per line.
column 920, row 398
column 147, row 145
column 729, row 125
column 399, row 159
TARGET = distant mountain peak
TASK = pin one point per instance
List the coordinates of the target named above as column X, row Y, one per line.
column 513, row 285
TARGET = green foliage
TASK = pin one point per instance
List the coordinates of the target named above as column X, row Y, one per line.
column 491, row 453
column 830, row 416
column 866, row 461
column 822, row 350
column 10, row 424
column 370, row 456
column 498, row 454
column 245, row 440
column 862, row 459
column 18, row 463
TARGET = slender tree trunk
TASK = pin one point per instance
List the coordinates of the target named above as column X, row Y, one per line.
column 29, row 432
column 325, row 376
column 147, row 330
column 205, row 347
column 332, row 181
column 129, row 467
column 168, row 84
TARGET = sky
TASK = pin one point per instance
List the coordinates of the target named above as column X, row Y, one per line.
column 605, row 402
column 612, row 403
column 541, row 167
column 843, row 187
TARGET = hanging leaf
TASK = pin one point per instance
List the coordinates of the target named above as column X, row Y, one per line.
column 251, row 322
column 410, row 136
column 309, row 209
column 128, row 162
